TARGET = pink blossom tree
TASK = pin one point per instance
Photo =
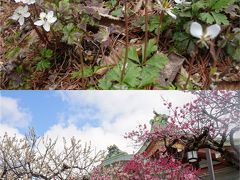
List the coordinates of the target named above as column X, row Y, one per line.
column 206, row 122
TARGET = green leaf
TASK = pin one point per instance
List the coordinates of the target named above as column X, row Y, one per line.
column 87, row 72
column 220, row 18
column 154, row 22
column 63, row 5
column 185, row 14
column 46, row 53
column 198, row 5
column 132, row 54
column 42, row 65
column 236, row 55
column 132, row 74
column 151, row 48
column 210, row 3
column 206, row 17
column 221, row 4
column 158, row 60
column 104, row 83
column 70, row 33
column 149, row 76
column 115, row 73
column 117, row 12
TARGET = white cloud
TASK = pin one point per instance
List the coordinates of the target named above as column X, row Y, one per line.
column 12, row 114
column 118, row 112
column 9, row 130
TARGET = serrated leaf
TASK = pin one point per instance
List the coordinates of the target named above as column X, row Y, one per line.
column 206, row 17
column 42, row 65
column 115, row 73
column 198, row 5
column 221, row 4
column 151, row 47
column 220, row 18
column 87, row 72
column 149, row 75
column 132, row 54
column 46, row 53
column 132, row 75
column 158, row 60
column 104, row 83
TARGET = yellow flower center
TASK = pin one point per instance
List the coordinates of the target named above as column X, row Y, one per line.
column 166, row 4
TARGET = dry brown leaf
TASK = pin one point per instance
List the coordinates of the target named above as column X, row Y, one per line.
column 168, row 74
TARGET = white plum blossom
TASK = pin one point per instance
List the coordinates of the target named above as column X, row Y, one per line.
column 20, row 14
column 183, row 2
column 166, row 6
column 46, row 20
column 210, row 32
column 18, row 1
column 28, row 1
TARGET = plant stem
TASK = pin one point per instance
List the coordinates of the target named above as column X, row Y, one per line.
column 38, row 32
column 146, row 32
column 161, row 16
column 45, row 35
column 213, row 54
column 35, row 9
column 190, row 68
column 127, row 41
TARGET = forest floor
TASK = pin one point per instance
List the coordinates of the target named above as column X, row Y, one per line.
column 116, row 45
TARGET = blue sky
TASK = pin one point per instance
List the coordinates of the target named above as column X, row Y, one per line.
column 44, row 106
column 102, row 117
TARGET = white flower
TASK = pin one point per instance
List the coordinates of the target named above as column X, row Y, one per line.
column 28, row 1
column 18, row 1
column 165, row 6
column 46, row 20
column 183, row 2
column 20, row 13
column 211, row 32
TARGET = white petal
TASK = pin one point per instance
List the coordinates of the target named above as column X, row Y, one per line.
column 27, row 14
column 19, row 9
column 31, row 2
column 187, row 3
column 15, row 16
column 158, row 1
column 49, row 15
column 52, row 20
column 25, row 9
column 46, row 26
column 171, row 14
column 178, row 1
column 196, row 30
column 39, row 23
column 21, row 20
column 42, row 15
column 213, row 31
column 17, row 1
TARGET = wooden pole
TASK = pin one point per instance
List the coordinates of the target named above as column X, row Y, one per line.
column 210, row 164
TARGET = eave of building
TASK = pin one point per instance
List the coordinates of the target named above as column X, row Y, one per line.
column 117, row 158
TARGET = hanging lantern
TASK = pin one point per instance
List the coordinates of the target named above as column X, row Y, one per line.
column 192, row 156
column 217, row 155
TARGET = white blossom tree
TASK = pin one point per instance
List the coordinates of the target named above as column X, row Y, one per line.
column 39, row 158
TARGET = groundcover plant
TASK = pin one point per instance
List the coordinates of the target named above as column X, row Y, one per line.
column 117, row 44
